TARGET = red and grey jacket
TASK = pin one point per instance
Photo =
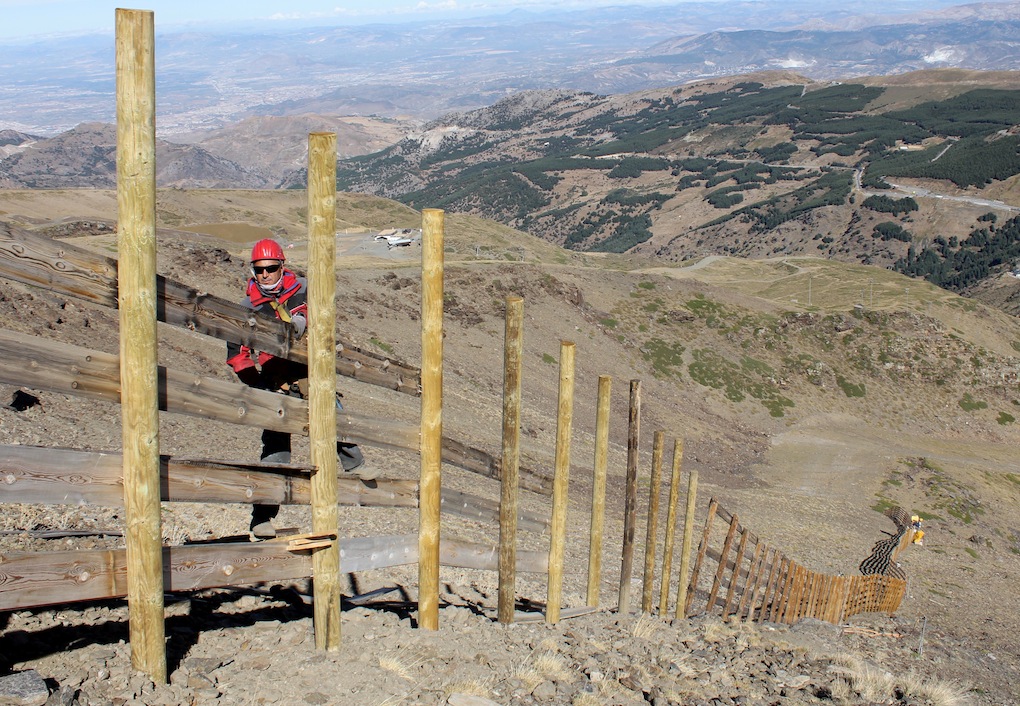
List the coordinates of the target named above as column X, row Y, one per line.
column 288, row 302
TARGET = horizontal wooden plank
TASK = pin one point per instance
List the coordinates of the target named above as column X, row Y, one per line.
column 34, row 474
column 34, row 579
column 529, row 616
column 364, row 553
column 473, row 507
column 49, row 365
column 64, row 268
column 48, row 578
column 58, row 476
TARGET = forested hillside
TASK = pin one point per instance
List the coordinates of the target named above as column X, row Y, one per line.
column 758, row 166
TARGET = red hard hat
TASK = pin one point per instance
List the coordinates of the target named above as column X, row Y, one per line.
column 267, row 249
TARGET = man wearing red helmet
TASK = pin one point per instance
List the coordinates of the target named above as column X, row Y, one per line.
column 275, row 290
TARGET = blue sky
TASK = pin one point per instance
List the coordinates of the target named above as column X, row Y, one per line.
column 24, row 18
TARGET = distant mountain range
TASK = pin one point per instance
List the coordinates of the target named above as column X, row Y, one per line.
column 208, row 80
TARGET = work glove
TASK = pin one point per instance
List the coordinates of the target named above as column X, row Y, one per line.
column 298, row 323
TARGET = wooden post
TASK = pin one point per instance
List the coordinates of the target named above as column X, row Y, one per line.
column 652, row 526
column 753, row 580
column 432, row 228
column 667, row 553
column 561, row 480
column 723, row 560
column 713, row 506
column 322, row 383
column 685, row 546
column 513, row 345
column 598, row 491
column 136, row 299
column 771, row 593
column 782, row 576
column 630, row 496
column 792, row 611
column 735, row 576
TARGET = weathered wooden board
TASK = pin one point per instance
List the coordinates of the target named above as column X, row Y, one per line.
column 67, row 269
column 364, row 553
column 34, row 579
column 35, row 474
column 47, row 578
column 48, row 365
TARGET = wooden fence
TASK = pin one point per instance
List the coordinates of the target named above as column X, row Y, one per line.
column 750, row 579
column 737, row 575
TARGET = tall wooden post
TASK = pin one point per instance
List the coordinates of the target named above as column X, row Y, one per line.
column 513, row 345
column 561, row 481
column 432, row 227
column 630, row 496
column 136, row 300
column 685, row 547
column 598, row 490
column 654, row 491
column 322, row 382
column 674, row 497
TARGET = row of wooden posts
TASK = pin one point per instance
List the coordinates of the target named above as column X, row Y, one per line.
column 146, row 569
column 755, row 582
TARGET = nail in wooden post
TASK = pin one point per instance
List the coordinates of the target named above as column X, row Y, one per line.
column 322, row 383
column 630, row 496
column 674, row 499
column 598, row 492
column 136, row 300
column 713, row 506
column 685, row 544
column 513, row 345
column 561, row 481
column 431, row 416
column 654, row 491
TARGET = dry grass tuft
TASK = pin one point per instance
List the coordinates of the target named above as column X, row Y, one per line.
column 934, row 691
column 644, row 627
column 716, row 632
column 403, row 664
column 542, row 666
column 861, row 680
column 472, row 687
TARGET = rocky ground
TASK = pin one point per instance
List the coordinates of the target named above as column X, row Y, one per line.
column 806, row 483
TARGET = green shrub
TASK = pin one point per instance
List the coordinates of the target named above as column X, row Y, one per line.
column 969, row 404
column 849, row 389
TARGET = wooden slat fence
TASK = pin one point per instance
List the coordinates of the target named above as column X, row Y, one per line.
column 737, row 575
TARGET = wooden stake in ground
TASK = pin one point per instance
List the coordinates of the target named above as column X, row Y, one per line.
column 685, row 547
column 667, row 553
column 513, row 345
column 630, row 496
column 136, row 209
column 558, row 526
column 431, row 415
column 322, row 382
column 654, row 491
column 598, row 490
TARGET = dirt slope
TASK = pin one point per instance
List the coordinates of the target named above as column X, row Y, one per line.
column 877, row 414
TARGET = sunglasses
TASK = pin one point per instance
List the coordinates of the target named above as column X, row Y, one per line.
column 268, row 268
